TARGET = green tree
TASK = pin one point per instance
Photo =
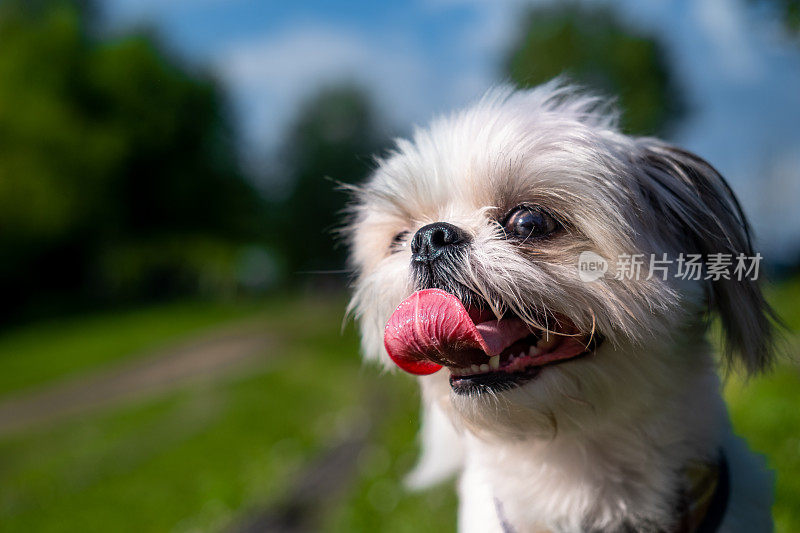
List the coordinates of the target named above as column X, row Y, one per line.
column 332, row 138
column 787, row 10
column 593, row 48
column 109, row 148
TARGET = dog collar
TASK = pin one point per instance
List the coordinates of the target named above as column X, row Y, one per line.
column 701, row 504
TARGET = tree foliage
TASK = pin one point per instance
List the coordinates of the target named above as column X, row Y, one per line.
column 787, row 10
column 593, row 48
column 332, row 138
column 106, row 146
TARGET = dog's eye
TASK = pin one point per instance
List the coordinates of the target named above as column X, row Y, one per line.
column 530, row 222
column 399, row 241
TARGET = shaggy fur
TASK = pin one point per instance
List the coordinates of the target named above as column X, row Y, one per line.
column 597, row 443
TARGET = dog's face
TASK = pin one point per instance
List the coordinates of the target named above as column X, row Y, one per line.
column 487, row 213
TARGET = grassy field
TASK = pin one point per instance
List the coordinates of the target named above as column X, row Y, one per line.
column 765, row 410
column 208, row 455
column 203, row 457
column 39, row 353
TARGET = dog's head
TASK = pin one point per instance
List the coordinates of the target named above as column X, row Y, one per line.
column 480, row 246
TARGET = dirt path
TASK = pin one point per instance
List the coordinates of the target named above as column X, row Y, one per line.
column 221, row 353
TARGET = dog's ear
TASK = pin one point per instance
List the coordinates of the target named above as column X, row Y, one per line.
column 693, row 200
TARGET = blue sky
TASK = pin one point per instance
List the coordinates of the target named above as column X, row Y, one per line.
column 422, row 57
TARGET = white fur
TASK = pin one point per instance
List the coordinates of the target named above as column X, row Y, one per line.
column 598, row 443
column 442, row 450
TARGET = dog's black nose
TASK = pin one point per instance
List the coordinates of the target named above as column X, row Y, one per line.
column 431, row 241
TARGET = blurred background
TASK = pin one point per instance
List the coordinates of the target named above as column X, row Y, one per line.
column 172, row 348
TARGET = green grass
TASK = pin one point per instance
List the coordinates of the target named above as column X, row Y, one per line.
column 204, row 456
column 378, row 501
column 39, row 353
column 785, row 298
column 765, row 410
column 188, row 461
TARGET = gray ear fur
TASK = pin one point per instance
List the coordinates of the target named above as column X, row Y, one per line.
column 695, row 200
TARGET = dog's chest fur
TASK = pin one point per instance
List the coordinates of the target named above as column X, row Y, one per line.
column 574, row 486
column 563, row 487
column 623, row 476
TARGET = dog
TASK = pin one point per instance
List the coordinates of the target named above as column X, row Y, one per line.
column 564, row 399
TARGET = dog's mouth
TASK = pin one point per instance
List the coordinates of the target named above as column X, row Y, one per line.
column 432, row 329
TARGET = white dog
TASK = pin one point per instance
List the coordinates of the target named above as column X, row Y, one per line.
column 567, row 398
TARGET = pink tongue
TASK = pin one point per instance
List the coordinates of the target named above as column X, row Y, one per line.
column 431, row 328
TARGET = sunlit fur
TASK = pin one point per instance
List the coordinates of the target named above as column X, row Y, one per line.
column 596, row 443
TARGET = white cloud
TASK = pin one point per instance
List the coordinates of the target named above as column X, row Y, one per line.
column 302, row 55
column 272, row 73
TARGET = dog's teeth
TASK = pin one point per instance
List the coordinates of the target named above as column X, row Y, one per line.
column 475, row 369
column 522, row 354
column 534, row 351
column 484, row 367
column 546, row 342
column 494, row 362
